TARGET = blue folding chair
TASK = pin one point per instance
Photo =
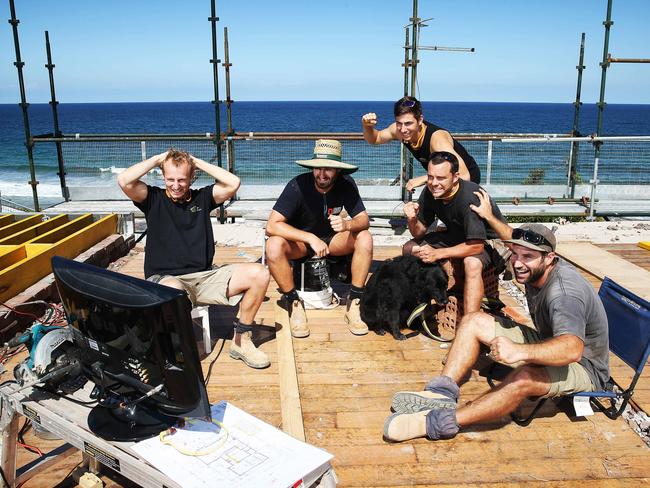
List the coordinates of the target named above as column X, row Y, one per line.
column 628, row 317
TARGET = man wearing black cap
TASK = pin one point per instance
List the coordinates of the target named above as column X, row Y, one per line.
column 308, row 220
column 567, row 353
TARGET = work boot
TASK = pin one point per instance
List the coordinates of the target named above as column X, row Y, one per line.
column 353, row 317
column 416, row 401
column 401, row 427
column 248, row 353
column 297, row 317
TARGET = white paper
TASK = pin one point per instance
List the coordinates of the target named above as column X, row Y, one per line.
column 254, row 453
column 582, row 406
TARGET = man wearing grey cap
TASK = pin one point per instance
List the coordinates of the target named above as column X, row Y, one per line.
column 566, row 353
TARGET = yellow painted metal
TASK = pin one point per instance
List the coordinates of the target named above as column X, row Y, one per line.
column 63, row 231
column 36, row 265
column 12, row 256
column 35, row 231
column 20, row 225
column 6, row 219
column 645, row 245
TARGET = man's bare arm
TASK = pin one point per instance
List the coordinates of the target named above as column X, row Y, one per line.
column 359, row 222
column 129, row 179
column 374, row 136
column 557, row 351
column 429, row 254
column 416, row 228
column 227, row 183
column 277, row 225
column 484, row 210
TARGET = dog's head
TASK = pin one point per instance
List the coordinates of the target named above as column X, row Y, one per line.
column 433, row 281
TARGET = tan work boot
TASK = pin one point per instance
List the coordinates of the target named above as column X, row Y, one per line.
column 248, row 353
column 402, row 427
column 297, row 318
column 353, row 317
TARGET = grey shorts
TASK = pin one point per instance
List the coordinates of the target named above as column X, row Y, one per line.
column 565, row 380
column 206, row 287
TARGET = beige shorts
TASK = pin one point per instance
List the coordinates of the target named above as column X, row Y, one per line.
column 206, row 287
column 565, row 380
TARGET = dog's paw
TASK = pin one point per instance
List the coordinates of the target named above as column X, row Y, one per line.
column 380, row 332
column 400, row 337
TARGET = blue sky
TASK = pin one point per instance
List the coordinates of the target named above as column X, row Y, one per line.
column 141, row 50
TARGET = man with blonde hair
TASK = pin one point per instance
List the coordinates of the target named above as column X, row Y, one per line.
column 180, row 242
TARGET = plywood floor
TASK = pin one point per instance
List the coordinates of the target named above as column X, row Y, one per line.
column 345, row 387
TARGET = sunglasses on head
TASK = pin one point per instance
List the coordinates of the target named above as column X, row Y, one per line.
column 531, row 237
column 408, row 103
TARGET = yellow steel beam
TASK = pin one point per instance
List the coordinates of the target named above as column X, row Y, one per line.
column 645, row 245
column 35, row 231
column 12, row 257
column 55, row 235
column 28, row 271
column 6, row 219
column 20, row 225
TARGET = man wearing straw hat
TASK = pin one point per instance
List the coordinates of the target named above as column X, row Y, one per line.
column 307, row 220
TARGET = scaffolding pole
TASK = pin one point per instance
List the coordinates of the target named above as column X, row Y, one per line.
column 29, row 143
column 55, row 119
column 575, row 147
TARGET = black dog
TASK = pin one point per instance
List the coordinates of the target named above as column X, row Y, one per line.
column 396, row 288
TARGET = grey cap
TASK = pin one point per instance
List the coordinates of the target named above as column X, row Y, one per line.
column 522, row 239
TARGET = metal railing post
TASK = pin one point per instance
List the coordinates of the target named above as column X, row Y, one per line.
column 488, row 177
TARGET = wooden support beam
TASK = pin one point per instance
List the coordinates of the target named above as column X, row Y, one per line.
column 35, row 230
column 7, row 219
column 289, row 392
column 20, row 225
column 24, row 273
column 601, row 263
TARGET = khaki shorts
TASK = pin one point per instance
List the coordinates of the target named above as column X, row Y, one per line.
column 206, row 287
column 565, row 380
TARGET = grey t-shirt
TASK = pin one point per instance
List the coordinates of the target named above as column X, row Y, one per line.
column 568, row 304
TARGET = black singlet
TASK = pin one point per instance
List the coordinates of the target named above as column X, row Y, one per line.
column 423, row 153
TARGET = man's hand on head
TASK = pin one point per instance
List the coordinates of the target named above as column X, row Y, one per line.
column 338, row 223
column 484, row 209
column 318, row 246
column 411, row 210
column 426, row 253
column 369, row 120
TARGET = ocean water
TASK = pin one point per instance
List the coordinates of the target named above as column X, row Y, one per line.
column 198, row 117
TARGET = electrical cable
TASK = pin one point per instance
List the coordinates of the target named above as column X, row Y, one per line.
column 207, row 376
column 187, row 452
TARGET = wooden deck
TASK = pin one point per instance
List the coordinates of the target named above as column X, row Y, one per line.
column 344, row 387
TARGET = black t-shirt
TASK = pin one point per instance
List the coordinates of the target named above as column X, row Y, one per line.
column 462, row 222
column 423, row 153
column 307, row 209
column 179, row 235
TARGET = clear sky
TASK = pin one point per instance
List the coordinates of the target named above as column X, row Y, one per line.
column 159, row 50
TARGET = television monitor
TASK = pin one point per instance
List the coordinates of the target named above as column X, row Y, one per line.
column 134, row 339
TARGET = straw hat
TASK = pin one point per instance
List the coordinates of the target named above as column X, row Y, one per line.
column 327, row 154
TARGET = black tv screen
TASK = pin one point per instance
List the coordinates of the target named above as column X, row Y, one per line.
column 134, row 338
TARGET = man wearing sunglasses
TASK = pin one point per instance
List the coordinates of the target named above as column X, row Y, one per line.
column 421, row 138
column 566, row 353
column 468, row 238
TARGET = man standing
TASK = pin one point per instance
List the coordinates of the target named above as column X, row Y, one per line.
column 307, row 220
column 448, row 197
column 180, row 243
column 567, row 353
column 420, row 137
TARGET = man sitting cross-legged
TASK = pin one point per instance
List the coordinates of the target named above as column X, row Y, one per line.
column 306, row 221
column 567, row 353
